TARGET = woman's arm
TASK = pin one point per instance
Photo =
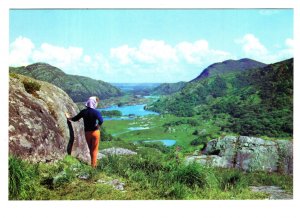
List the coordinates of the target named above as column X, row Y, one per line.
column 76, row 118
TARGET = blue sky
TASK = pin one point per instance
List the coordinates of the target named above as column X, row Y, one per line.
column 147, row 45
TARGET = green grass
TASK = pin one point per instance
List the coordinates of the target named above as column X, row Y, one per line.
column 151, row 174
column 158, row 129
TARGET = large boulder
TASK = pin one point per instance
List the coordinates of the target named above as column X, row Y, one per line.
column 38, row 129
column 248, row 154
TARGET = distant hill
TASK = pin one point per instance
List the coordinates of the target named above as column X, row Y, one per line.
column 136, row 88
column 168, row 88
column 257, row 102
column 79, row 88
column 229, row 66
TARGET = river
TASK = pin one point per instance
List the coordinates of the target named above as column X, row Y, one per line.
column 136, row 110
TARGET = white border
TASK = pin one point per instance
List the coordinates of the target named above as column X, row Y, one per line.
column 139, row 209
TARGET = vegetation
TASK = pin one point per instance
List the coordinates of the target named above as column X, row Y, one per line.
column 113, row 113
column 31, row 86
column 79, row 88
column 229, row 66
column 254, row 103
column 257, row 102
column 168, row 88
column 151, row 174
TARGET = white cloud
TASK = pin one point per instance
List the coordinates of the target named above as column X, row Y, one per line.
column 252, row 46
column 59, row 56
column 199, row 53
column 122, row 54
column 87, row 59
column 148, row 52
column 20, row 51
column 290, row 43
column 154, row 60
column 152, row 51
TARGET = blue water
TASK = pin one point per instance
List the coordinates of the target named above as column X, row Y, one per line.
column 166, row 142
column 137, row 110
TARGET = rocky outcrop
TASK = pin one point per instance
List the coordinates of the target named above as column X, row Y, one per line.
column 248, row 154
column 38, row 129
column 116, row 151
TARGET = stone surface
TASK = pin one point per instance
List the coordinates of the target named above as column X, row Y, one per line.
column 38, row 129
column 248, row 154
column 117, row 151
column 115, row 183
column 275, row 193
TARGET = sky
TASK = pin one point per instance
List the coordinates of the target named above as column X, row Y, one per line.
column 147, row 45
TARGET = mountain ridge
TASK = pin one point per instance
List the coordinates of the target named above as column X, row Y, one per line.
column 79, row 88
column 229, row 66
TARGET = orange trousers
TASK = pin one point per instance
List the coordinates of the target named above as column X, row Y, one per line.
column 93, row 140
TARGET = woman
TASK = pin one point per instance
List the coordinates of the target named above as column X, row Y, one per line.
column 92, row 119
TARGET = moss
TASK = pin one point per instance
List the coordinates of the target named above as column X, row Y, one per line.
column 31, row 86
column 14, row 75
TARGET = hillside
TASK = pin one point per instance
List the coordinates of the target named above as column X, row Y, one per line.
column 79, row 88
column 229, row 66
column 168, row 88
column 255, row 102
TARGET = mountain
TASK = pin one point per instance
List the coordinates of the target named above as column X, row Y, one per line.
column 79, row 88
column 229, row 66
column 257, row 102
column 168, row 88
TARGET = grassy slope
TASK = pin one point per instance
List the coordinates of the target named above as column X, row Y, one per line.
column 145, row 177
column 254, row 103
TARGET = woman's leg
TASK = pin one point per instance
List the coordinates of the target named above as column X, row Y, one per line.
column 95, row 147
column 93, row 139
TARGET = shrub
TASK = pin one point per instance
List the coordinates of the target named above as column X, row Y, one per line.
column 14, row 75
column 190, row 175
column 31, row 86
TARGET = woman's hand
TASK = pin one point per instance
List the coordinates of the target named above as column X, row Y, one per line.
column 67, row 115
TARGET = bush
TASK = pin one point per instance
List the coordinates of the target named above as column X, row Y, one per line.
column 190, row 175
column 14, row 75
column 31, row 86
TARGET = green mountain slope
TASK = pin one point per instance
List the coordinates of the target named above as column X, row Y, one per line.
column 79, row 88
column 255, row 102
column 168, row 88
column 229, row 66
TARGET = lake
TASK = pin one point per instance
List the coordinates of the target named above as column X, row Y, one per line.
column 137, row 110
column 166, row 142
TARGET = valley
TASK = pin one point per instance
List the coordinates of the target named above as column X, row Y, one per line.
column 204, row 139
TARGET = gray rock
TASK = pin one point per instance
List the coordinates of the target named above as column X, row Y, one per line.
column 84, row 176
column 100, row 156
column 115, row 183
column 39, row 131
column 248, row 154
column 275, row 193
column 117, row 151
